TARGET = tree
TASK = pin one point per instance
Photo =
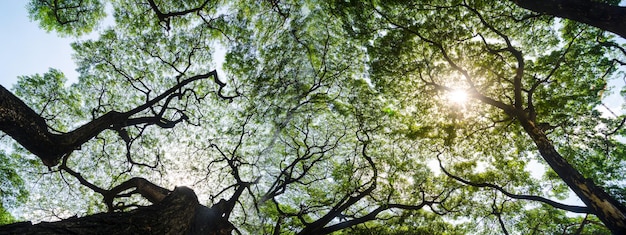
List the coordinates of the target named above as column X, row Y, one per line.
column 327, row 118
column 518, row 91
column 604, row 15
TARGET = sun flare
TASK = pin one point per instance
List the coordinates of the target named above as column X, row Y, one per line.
column 457, row 96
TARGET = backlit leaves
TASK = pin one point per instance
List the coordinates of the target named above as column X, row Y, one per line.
column 68, row 18
column 341, row 100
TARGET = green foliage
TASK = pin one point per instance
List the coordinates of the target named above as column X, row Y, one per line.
column 12, row 190
column 49, row 96
column 5, row 216
column 68, row 18
column 419, row 223
column 541, row 220
column 335, row 101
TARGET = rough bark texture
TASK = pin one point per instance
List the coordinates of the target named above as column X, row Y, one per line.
column 601, row 204
column 604, row 16
column 178, row 213
column 31, row 131
column 28, row 128
column 145, row 188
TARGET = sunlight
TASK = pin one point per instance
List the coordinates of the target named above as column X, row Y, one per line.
column 457, row 96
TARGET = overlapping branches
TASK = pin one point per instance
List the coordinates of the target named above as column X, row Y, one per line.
column 165, row 16
column 51, row 147
column 575, row 209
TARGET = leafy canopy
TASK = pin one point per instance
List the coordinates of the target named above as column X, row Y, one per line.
column 338, row 111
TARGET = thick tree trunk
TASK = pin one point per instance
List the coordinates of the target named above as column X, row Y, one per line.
column 604, row 16
column 31, row 131
column 178, row 213
column 611, row 212
column 28, row 128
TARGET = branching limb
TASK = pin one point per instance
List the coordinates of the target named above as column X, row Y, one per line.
column 510, row 110
column 369, row 217
column 613, row 45
column 317, row 226
column 372, row 215
column 575, row 209
column 30, row 130
column 498, row 213
column 519, row 71
column 532, row 113
column 165, row 17
column 80, row 178
column 145, row 188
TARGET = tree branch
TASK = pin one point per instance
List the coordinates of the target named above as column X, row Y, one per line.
column 31, row 131
column 575, row 209
column 595, row 13
column 145, row 188
column 165, row 17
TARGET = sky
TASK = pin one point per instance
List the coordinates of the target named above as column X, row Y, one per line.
column 25, row 49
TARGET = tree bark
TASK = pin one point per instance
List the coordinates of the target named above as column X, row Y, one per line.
column 31, row 131
column 28, row 128
column 178, row 213
column 601, row 15
column 610, row 211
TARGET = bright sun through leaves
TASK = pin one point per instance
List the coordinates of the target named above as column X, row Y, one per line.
column 457, row 96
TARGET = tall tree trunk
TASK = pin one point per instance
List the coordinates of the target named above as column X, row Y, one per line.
column 604, row 16
column 178, row 213
column 610, row 211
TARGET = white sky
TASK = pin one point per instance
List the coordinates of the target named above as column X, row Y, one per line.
column 25, row 49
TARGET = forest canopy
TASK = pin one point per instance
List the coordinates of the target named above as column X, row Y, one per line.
column 320, row 117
